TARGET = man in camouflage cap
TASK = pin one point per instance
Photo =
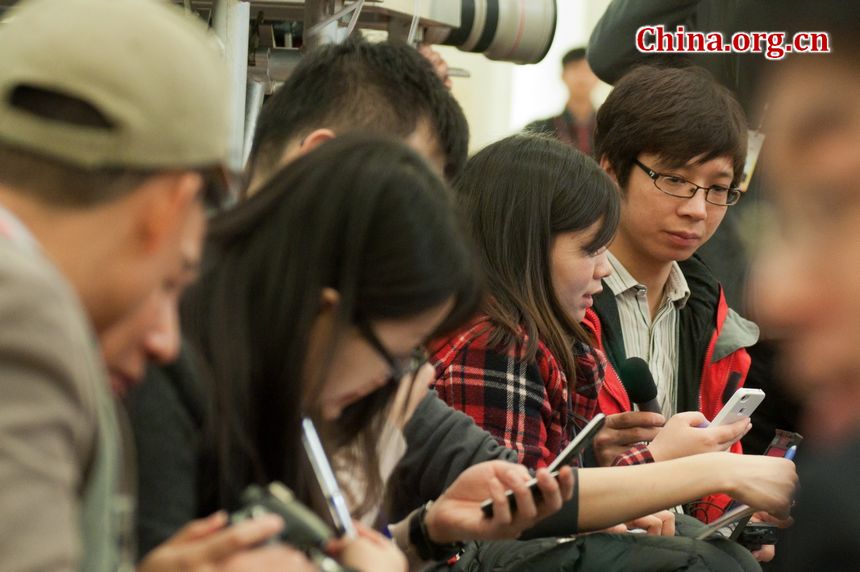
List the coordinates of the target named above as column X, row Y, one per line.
column 114, row 131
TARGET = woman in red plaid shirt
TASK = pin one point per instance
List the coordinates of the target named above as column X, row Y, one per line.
column 542, row 215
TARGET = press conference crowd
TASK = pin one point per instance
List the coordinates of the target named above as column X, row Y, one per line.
column 449, row 323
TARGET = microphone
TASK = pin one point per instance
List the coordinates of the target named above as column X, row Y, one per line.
column 637, row 380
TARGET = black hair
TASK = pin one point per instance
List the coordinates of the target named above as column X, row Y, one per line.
column 517, row 194
column 385, row 87
column 574, row 55
column 676, row 113
column 362, row 214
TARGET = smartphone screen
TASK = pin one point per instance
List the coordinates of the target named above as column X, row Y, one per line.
column 329, row 491
column 782, row 442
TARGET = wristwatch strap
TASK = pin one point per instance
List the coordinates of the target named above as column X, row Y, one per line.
column 420, row 539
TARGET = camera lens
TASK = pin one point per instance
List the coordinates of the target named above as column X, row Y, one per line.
column 518, row 31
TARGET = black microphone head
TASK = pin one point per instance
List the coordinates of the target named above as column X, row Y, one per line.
column 637, row 380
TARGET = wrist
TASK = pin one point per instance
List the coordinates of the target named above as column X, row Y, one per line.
column 639, row 454
column 718, row 472
column 431, row 525
column 730, row 480
column 427, row 546
column 657, row 452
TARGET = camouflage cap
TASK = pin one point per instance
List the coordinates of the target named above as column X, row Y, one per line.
column 154, row 73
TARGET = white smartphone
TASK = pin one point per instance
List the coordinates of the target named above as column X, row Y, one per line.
column 332, row 496
column 740, row 406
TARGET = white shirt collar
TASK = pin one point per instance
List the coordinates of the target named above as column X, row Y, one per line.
column 620, row 281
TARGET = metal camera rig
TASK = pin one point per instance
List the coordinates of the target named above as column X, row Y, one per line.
column 264, row 39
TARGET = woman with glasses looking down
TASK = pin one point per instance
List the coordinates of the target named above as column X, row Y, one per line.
column 315, row 298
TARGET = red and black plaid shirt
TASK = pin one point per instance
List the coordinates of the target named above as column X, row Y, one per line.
column 525, row 404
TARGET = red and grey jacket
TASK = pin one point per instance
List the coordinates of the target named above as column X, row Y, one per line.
column 712, row 346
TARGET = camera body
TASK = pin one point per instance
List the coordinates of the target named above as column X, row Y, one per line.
column 303, row 529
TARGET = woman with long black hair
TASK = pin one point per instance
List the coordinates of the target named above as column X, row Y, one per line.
column 315, row 299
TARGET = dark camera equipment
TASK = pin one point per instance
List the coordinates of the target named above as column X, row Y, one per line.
column 756, row 535
column 303, row 529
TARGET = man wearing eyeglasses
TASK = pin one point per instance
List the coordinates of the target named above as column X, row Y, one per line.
column 675, row 142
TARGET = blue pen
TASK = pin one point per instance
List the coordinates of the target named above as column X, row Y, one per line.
column 791, row 452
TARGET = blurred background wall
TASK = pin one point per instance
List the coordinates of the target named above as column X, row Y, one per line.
column 501, row 98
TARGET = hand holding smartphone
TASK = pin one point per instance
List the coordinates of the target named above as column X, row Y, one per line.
column 740, row 406
column 566, row 457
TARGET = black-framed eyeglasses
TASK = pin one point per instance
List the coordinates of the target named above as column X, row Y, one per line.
column 400, row 367
column 682, row 188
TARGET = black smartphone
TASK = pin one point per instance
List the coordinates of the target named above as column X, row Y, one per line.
column 575, row 448
column 758, row 534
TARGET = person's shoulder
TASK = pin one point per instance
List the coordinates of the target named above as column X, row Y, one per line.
column 482, row 334
column 482, row 344
column 27, row 277
column 42, row 317
column 476, row 333
column 695, row 269
column 705, row 289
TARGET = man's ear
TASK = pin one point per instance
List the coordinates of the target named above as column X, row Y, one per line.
column 291, row 152
column 608, row 168
column 314, row 139
column 163, row 204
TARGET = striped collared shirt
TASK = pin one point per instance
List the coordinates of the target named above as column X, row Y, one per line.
column 655, row 341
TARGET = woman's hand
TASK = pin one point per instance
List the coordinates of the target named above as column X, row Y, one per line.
column 766, row 483
column 623, row 430
column 369, row 551
column 457, row 515
column 684, row 434
column 440, row 66
column 660, row 523
column 768, row 551
column 210, row 545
